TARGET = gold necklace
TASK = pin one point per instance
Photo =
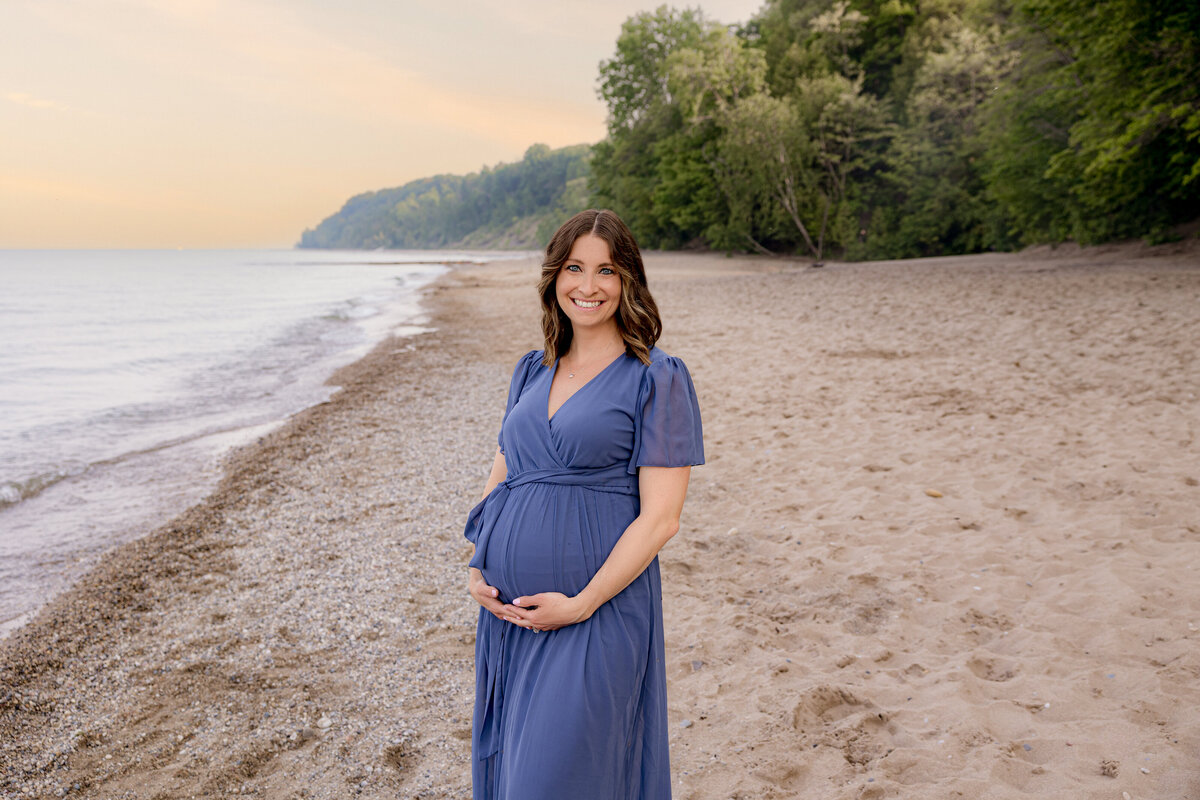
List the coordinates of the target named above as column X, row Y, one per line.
column 571, row 373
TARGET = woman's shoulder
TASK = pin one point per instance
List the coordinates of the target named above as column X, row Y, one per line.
column 529, row 363
column 531, row 358
column 663, row 370
column 661, row 361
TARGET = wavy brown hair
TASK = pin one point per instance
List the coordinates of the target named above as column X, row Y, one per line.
column 637, row 315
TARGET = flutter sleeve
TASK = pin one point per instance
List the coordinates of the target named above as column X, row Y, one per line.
column 526, row 365
column 667, row 430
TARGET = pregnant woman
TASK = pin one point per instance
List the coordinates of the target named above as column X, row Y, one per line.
column 599, row 435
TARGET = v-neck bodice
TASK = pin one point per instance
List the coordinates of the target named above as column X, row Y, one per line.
column 587, row 383
column 591, row 428
column 598, row 425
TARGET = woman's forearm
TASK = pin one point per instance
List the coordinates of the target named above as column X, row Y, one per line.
column 662, row 491
column 633, row 552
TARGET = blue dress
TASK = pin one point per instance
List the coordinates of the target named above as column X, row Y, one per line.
column 580, row 712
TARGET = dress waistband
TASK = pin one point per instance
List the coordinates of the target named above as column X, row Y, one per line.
column 614, row 478
column 482, row 519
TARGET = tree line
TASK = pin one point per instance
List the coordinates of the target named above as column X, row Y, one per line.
column 512, row 205
column 861, row 128
column 897, row 128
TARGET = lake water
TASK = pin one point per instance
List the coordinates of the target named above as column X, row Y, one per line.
column 125, row 375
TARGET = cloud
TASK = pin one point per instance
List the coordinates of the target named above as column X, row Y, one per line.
column 23, row 99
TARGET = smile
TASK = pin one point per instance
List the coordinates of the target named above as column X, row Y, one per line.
column 585, row 303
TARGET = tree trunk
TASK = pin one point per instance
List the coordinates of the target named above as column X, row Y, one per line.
column 758, row 248
column 821, row 237
column 787, row 198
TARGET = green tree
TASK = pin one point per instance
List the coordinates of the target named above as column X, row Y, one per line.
column 1103, row 117
column 937, row 201
column 763, row 165
column 633, row 83
column 799, row 152
column 643, row 122
column 706, row 80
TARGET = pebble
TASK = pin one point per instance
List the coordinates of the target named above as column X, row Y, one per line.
column 933, row 493
column 687, row 723
column 296, row 559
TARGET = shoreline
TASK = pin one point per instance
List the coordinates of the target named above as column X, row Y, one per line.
column 202, row 455
column 303, row 631
column 167, row 394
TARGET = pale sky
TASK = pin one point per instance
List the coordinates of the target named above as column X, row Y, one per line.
column 239, row 123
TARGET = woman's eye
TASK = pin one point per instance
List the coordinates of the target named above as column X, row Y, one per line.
column 573, row 268
column 607, row 271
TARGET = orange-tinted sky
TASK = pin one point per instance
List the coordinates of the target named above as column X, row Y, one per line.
column 238, row 123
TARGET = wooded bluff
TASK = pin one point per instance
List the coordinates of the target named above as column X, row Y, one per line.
column 855, row 128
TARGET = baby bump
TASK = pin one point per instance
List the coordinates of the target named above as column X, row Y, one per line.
column 553, row 538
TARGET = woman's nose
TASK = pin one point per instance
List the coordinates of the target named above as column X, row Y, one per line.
column 589, row 283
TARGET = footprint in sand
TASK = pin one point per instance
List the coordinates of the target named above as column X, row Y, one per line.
column 993, row 669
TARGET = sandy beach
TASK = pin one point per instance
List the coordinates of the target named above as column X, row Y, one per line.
column 946, row 544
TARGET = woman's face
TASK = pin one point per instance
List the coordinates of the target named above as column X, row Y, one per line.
column 588, row 286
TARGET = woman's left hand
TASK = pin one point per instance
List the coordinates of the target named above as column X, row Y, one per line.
column 549, row 611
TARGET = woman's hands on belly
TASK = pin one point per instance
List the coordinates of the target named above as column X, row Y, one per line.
column 549, row 611
column 545, row 611
column 489, row 598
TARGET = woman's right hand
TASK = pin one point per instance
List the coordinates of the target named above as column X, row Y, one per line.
column 488, row 597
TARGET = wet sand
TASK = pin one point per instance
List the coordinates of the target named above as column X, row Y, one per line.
column 946, row 544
